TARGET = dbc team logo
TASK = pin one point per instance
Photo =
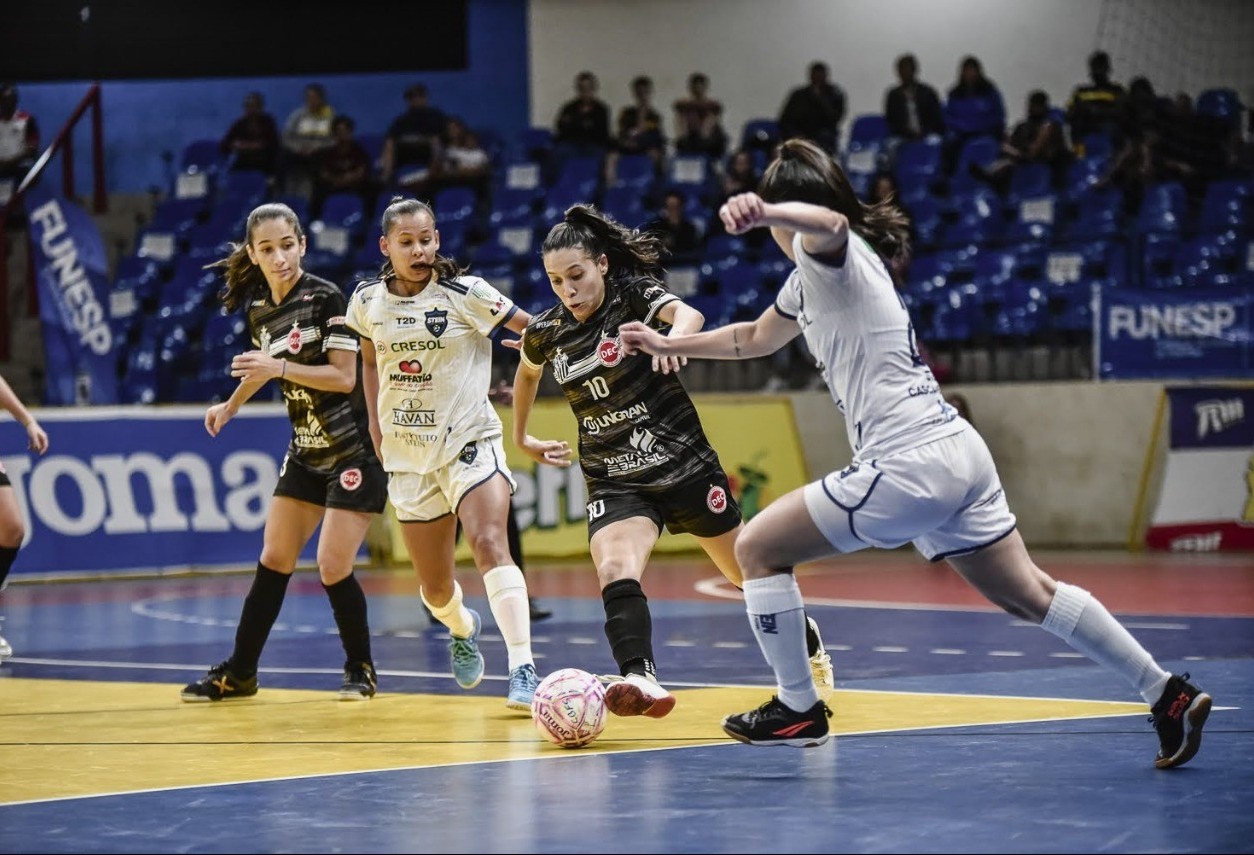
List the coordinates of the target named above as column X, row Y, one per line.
column 350, row 479
column 609, row 352
column 716, row 499
column 294, row 339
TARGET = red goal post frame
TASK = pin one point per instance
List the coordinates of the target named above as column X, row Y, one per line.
column 756, row 438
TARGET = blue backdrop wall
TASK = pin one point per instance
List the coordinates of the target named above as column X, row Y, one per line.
column 147, row 120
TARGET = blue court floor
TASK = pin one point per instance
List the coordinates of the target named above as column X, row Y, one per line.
column 958, row 730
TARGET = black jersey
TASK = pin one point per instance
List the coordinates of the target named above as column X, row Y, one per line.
column 328, row 428
column 636, row 426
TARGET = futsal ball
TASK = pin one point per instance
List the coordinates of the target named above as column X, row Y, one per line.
column 569, row 708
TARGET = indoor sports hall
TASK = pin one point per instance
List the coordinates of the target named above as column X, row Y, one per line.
column 1077, row 179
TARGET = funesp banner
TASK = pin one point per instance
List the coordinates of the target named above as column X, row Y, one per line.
column 1207, row 498
column 1185, row 333
column 72, row 276
column 129, row 489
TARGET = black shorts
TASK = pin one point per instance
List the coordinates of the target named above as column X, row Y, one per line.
column 358, row 485
column 704, row 507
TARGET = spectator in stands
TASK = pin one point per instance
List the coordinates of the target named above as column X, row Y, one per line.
column 463, row 161
column 698, row 120
column 1098, row 106
column 912, row 108
column 959, row 402
column 741, row 176
column 253, row 139
column 640, row 125
column 306, row 134
column 678, row 234
column 19, row 141
column 413, row 144
column 814, row 111
column 884, row 190
column 583, row 123
column 974, row 109
column 1144, row 160
column 1038, row 138
column 343, row 168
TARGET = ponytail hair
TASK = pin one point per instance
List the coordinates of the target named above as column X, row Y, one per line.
column 803, row 172
column 244, row 279
column 629, row 251
column 400, row 206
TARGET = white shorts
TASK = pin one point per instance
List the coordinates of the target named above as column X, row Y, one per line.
column 423, row 497
column 944, row 496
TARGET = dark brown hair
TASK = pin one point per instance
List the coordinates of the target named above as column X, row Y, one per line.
column 446, row 268
column 244, row 279
column 803, row 172
column 628, row 250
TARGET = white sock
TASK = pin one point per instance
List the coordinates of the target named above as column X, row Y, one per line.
column 507, row 595
column 452, row 614
column 1083, row 622
column 777, row 616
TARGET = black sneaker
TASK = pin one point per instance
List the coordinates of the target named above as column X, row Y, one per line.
column 220, row 683
column 1178, row 717
column 359, row 682
column 538, row 612
column 775, row 724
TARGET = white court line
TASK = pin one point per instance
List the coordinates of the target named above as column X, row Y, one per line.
column 948, row 651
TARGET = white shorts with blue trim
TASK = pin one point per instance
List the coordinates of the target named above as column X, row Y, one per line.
column 423, row 497
column 944, row 497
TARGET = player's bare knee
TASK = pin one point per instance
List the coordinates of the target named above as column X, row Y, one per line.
column 752, row 556
column 489, row 546
column 333, row 572
column 612, row 570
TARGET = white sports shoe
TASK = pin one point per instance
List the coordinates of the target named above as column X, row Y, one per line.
column 821, row 667
column 637, row 694
column 6, row 649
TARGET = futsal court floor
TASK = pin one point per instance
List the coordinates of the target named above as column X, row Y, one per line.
column 958, row 728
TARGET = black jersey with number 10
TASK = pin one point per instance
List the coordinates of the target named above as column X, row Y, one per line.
column 636, row 426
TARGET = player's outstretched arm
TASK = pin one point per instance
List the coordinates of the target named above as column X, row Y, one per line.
column 551, row 451
column 747, row 340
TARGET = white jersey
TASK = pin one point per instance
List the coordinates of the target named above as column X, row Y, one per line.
column 434, row 360
column 858, row 329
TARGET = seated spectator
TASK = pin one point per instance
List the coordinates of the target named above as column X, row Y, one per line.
column 741, row 176
column 698, row 120
column 959, row 402
column 1038, row 138
column 253, row 139
column 814, row 111
column 583, row 123
column 464, row 161
column 19, row 142
column 413, row 143
column 343, row 168
column 306, row 133
column 974, row 109
column 639, row 125
column 1143, row 161
column 679, row 235
column 1098, row 106
column 912, row 108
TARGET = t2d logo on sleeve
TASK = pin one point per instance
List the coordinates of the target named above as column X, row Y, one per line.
column 437, row 321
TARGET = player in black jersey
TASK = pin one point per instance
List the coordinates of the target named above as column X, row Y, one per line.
column 12, row 529
column 330, row 476
column 644, row 455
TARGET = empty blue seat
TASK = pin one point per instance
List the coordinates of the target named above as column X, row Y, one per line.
column 1163, row 209
column 760, row 134
column 454, row 203
column 868, row 128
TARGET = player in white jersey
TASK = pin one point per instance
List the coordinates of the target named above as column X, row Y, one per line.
column 425, row 331
column 920, row 473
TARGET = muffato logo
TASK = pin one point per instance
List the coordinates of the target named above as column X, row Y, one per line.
column 141, row 492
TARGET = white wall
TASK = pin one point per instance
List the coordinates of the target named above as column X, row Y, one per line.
column 755, row 51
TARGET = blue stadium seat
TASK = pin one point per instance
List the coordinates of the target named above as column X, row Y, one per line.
column 762, row 134
column 454, row 203
column 202, row 156
column 1222, row 104
column 1227, row 206
column 1163, row 209
column 977, row 151
column 625, row 204
column 869, row 128
column 1034, row 220
column 1030, row 180
column 635, row 171
column 1099, row 214
column 917, row 164
column 512, row 206
column 1158, row 260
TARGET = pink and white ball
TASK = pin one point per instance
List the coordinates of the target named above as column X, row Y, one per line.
column 569, row 708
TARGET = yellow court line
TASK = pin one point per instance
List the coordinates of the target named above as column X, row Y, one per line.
column 72, row 738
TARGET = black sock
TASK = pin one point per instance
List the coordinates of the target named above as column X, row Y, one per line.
column 348, row 601
column 514, row 538
column 629, row 627
column 7, row 554
column 261, row 610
